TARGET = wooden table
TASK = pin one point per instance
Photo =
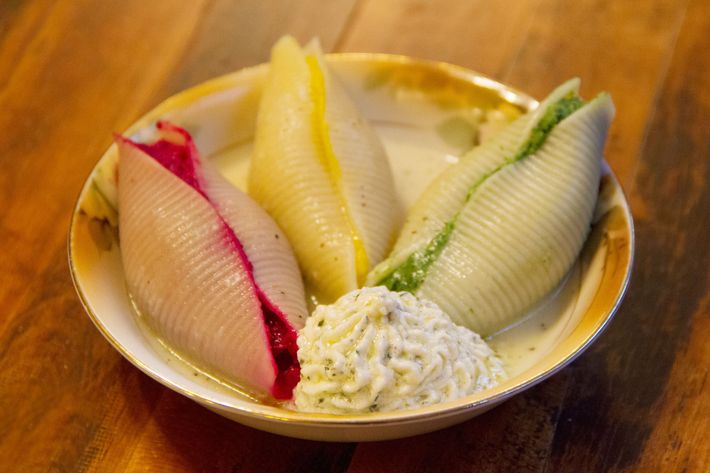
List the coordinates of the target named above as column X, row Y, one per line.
column 72, row 72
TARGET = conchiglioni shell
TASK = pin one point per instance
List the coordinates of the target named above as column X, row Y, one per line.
column 523, row 228
column 274, row 265
column 326, row 203
column 184, row 276
column 366, row 177
column 446, row 195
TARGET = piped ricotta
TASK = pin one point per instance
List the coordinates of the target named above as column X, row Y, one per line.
column 378, row 350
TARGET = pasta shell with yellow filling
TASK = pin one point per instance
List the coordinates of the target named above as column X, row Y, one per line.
column 320, row 171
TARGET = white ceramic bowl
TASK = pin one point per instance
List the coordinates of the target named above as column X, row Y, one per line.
column 426, row 114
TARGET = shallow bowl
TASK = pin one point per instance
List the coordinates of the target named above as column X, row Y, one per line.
column 427, row 114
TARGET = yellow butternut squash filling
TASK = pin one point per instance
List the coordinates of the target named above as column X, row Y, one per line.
column 321, row 138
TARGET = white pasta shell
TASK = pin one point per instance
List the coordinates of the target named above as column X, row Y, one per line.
column 274, row 265
column 523, row 228
column 446, row 195
column 366, row 175
column 184, row 276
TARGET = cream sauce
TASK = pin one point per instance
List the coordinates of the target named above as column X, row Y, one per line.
column 416, row 159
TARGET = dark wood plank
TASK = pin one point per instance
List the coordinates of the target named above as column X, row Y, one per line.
column 513, row 437
column 179, row 435
column 621, row 47
column 640, row 398
column 484, row 36
column 61, row 100
column 66, row 85
column 227, row 37
column 680, row 435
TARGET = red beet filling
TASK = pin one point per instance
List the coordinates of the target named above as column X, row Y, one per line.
column 284, row 349
column 178, row 158
column 181, row 159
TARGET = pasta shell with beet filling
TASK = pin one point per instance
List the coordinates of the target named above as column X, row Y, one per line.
column 320, row 170
column 496, row 232
column 209, row 270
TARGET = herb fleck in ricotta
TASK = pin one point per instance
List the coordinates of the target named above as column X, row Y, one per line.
column 377, row 350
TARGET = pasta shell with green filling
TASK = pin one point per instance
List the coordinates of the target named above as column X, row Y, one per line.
column 320, row 171
column 499, row 230
column 440, row 202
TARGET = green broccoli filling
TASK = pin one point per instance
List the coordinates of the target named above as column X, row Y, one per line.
column 412, row 272
column 557, row 112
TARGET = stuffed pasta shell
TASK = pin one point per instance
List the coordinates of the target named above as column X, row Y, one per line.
column 496, row 232
column 320, row 171
column 207, row 268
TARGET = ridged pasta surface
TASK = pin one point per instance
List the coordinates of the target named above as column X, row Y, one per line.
column 189, row 284
column 446, row 195
column 320, row 171
column 522, row 229
column 367, row 181
column 274, row 266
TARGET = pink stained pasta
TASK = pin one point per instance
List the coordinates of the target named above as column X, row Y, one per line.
column 210, row 271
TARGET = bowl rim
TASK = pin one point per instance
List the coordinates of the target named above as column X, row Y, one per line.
column 275, row 414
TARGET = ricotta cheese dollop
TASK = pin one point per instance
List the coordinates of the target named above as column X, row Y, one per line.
column 378, row 350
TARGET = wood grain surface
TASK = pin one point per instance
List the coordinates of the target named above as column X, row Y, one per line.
column 72, row 72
